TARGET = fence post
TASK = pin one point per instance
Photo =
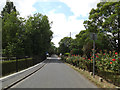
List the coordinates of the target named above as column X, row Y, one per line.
column 33, row 60
column 16, row 64
column 26, row 61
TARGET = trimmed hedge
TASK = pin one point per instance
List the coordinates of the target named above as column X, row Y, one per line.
column 9, row 67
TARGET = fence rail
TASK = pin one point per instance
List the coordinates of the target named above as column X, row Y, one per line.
column 11, row 66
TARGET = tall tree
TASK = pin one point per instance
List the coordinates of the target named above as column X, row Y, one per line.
column 12, row 35
column 31, row 37
column 106, row 19
column 39, row 35
column 9, row 7
column 84, row 44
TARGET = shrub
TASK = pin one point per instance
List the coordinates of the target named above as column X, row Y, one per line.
column 9, row 67
column 77, row 52
column 67, row 54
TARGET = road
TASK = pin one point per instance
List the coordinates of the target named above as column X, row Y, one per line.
column 55, row 74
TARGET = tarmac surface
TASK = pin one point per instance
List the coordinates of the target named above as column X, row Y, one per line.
column 55, row 74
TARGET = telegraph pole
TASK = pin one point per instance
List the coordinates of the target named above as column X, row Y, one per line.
column 70, row 34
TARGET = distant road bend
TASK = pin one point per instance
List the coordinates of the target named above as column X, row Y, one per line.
column 55, row 74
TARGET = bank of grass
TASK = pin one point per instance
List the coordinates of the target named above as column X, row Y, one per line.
column 95, row 80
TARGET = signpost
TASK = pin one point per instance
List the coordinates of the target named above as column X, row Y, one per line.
column 93, row 37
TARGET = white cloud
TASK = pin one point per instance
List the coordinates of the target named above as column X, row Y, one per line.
column 2, row 3
column 78, row 7
column 25, row 7
column 63, row 26
column 81, row 7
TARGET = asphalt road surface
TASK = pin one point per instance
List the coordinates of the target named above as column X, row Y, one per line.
column 55, row 74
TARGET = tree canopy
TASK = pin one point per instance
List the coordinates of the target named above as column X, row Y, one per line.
column 106, row 18
column 65, row 45
column 105, row 22
column 9, row 7
column 25, row 37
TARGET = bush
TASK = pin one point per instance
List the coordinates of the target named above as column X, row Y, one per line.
column 104, row 63
column 76, row 52
column 67, row 54
column 9, row 67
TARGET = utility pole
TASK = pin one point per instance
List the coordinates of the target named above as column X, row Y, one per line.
column 70, row 34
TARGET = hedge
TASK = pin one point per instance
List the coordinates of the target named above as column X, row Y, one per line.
column 9, row 67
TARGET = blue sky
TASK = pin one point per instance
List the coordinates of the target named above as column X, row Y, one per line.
column 67, row 15
column 59, row 7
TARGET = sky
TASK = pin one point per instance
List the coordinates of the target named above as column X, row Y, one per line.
column 67, row 15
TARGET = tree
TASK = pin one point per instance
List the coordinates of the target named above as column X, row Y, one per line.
column 12, row 31
column 31, row 37
column 65, row 45
column 39, row 35
column 12, row 35
column 106, row 19
column 9, row 7
column 52, row 49
column 83, row 43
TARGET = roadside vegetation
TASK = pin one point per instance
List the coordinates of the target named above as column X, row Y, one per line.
column 104, row 21
column 106, row 66
column 10, row 66
column 22, row 38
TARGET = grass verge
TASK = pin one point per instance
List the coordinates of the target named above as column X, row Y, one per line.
column 96, row 81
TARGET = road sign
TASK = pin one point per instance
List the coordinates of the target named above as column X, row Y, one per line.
column 93, row 36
